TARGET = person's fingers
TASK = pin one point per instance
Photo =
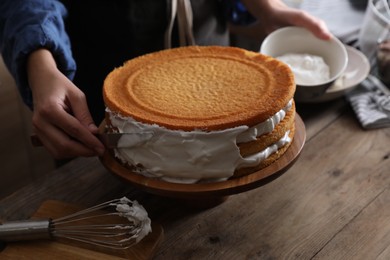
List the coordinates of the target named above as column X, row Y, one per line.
column 75, row 129
column 313, row 24
column 61, row 116
column 322, row 31
column 59, row 144
column 274, row 14
column 80, row 110
column 65, row 148
column 52, row 120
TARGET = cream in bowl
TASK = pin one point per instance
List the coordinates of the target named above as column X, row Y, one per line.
column 316, row 63
column 308, row 69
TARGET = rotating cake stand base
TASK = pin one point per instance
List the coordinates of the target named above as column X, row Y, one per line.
column 211, row 194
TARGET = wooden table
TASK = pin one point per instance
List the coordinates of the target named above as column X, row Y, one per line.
column 333, row 203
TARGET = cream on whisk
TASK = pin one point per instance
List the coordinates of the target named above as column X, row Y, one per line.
column 136, row 215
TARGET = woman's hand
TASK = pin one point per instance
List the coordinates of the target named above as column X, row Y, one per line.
column 61, row 117
column 273, row 14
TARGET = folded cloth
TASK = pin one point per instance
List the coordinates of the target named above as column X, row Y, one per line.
column 371, row 103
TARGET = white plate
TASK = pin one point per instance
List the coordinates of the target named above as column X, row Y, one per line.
column 357, row 70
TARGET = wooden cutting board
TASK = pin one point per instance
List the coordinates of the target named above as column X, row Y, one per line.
column 145, row 249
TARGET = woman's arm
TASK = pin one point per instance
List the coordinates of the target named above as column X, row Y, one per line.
column 27, row 25
column 36, row 50
column 61, row 117
column 273, row 14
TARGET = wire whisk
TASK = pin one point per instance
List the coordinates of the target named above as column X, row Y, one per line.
column 115, row 224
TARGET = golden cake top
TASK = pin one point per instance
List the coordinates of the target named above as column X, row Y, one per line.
column 209, row 88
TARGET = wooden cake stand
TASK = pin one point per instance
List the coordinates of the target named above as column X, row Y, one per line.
column 215, row 190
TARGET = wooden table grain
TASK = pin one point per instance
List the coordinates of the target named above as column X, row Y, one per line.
column 333, row 203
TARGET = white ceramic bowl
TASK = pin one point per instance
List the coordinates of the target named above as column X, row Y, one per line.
column 300, row 40
column 357, row 70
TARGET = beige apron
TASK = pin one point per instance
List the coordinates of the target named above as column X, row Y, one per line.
column 183, row 10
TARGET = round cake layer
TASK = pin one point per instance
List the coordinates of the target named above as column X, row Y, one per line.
column 208, row 88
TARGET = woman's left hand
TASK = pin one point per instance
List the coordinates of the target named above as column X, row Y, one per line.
column 273, row 14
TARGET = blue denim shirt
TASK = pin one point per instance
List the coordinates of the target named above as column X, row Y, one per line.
column 103, row 34
column 26, row 25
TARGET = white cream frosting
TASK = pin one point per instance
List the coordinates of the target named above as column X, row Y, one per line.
column 188, row 157
column 308, row 69
column 136, row 215
column 265, row 127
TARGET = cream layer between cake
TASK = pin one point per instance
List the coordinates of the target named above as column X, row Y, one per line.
column 190, row 157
